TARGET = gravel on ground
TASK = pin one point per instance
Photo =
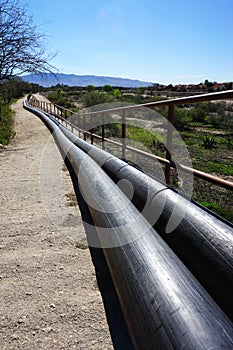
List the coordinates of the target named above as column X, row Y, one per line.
column 49, row 297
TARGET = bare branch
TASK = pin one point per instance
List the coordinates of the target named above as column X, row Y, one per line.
column 21, row 44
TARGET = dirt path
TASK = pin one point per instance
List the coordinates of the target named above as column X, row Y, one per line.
column 48, row 293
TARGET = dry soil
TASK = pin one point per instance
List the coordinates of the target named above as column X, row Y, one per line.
column 48, row 292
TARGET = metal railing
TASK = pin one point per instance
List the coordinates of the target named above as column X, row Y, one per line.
column 64, row 113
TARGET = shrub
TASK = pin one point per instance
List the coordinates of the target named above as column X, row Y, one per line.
column 198, row 114
column 209, row 142
column 6, row 124
column 182, row 118
column 95, row 97
column 59, row 99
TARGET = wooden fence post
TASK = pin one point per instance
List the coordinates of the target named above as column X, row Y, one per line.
column 123, row 133
column 169, row 142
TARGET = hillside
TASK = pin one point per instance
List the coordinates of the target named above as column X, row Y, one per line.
column 48, row 80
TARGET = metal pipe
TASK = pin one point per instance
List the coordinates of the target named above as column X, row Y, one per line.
column 202, row 241
column 163, row 304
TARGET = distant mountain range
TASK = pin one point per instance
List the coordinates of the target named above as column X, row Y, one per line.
column 48, row 79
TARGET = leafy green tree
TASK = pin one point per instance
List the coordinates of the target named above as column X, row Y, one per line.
column 116, row 93
column 141, row 90
column 209, row 85
column 169, row 87
column 90, row 88
column 107, row 88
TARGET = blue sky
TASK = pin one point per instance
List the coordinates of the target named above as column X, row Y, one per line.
column 164, row 41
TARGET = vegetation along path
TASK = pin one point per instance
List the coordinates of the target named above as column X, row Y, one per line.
column 48, row 293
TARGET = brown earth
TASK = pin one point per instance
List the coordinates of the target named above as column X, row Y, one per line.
column 48, row 292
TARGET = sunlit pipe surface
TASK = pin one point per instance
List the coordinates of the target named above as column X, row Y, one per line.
column 164, row 305
column 202, row 241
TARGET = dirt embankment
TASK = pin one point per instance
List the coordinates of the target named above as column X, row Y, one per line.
column 48, row 293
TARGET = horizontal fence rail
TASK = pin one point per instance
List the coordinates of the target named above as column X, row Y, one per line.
column 62, row 114
column 164, row 305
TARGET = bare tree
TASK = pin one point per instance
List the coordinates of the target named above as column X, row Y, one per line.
column 21, row 44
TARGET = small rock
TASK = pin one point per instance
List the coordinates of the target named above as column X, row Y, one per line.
column 52, row 306
column 28, row 293
column 14, row 337
column 47, row 329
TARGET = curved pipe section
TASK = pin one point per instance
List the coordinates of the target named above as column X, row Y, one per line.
column 164, row 305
